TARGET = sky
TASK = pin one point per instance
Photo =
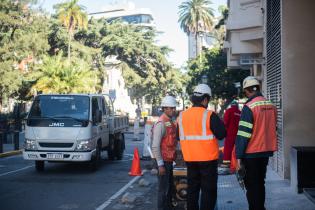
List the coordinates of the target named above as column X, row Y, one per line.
column 165, row 14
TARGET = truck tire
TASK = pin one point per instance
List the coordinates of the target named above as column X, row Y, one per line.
column 95, row 162
column 119, row 146
column 39, row 165
column 111, row 148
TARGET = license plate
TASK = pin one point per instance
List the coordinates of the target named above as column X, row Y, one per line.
column 54, row 156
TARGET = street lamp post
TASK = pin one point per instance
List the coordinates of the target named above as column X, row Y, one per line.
column 204, row 79
column 199, row 34
column 237, row 85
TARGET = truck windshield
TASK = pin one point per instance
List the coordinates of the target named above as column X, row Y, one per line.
column 60, row 106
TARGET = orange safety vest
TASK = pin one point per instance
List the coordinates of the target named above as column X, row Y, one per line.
column 168, row 142
column 196, row 138
column 264, row 135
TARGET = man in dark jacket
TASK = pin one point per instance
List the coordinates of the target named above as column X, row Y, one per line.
column 256, row 141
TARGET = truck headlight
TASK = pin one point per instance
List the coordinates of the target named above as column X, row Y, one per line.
column 30, row 144
column 85, row 145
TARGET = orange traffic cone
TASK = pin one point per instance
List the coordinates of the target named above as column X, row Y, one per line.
column 135, row 167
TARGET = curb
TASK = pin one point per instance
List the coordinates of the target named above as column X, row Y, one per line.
column 131, row 132
column 11, row 153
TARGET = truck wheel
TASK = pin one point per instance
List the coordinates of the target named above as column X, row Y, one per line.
column 111, row 148
column 95, row 162
column 119, row 146
column 39, row 165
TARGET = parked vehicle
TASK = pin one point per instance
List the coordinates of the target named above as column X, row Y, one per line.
column 74, row 128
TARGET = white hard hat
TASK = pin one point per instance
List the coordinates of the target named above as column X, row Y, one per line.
column 202, row 89
column 250, row 81
column 168, row 101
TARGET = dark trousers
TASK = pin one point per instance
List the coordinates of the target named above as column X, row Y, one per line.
column 165, row 187
column 254, row 181
column 202, row 176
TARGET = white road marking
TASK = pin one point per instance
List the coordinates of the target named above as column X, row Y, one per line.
column 118, row 193
column 21, row 169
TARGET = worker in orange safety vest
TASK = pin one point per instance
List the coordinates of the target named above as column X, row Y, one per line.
column 164, row 144
column 199, row 130
column 256, row 141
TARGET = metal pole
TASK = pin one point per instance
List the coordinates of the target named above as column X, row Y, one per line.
column 1, row 141
column 16, row 140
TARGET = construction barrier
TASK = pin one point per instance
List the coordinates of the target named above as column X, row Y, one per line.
column 146, row 152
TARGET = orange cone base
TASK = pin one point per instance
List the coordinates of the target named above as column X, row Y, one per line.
column 132, row 174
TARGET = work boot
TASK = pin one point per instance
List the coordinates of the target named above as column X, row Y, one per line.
column 224, row 169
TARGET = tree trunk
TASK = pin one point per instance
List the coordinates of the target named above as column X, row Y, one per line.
column 69, row 57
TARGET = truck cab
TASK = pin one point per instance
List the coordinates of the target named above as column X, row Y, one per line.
column 72, row 128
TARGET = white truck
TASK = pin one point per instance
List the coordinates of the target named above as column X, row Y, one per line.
column 73, row 128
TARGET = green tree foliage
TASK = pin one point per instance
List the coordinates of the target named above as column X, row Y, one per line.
column 86, row 45
column 72, row 16
column 23, row 35
column 224, row 10
column 220, row 79
column 145, row 67
column 29, row 34
column 57, row 75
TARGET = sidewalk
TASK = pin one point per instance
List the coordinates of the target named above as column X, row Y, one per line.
column 279, row 195
column 8, row 146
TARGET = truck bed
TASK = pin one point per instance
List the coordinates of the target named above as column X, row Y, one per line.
column 118, row 124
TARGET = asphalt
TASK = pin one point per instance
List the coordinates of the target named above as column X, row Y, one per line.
column 279, row 194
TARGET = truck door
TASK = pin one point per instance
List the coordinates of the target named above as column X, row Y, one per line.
column 97, row 128
column 105, row 134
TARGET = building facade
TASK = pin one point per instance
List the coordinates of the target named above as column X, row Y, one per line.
column 274, row 39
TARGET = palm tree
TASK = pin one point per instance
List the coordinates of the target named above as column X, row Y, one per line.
column 195, row 17
column 72, row 16
column 56, row 75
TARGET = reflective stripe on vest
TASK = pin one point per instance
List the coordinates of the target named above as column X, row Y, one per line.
column 246, row 124
column 196, row 138
column 204, row 129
